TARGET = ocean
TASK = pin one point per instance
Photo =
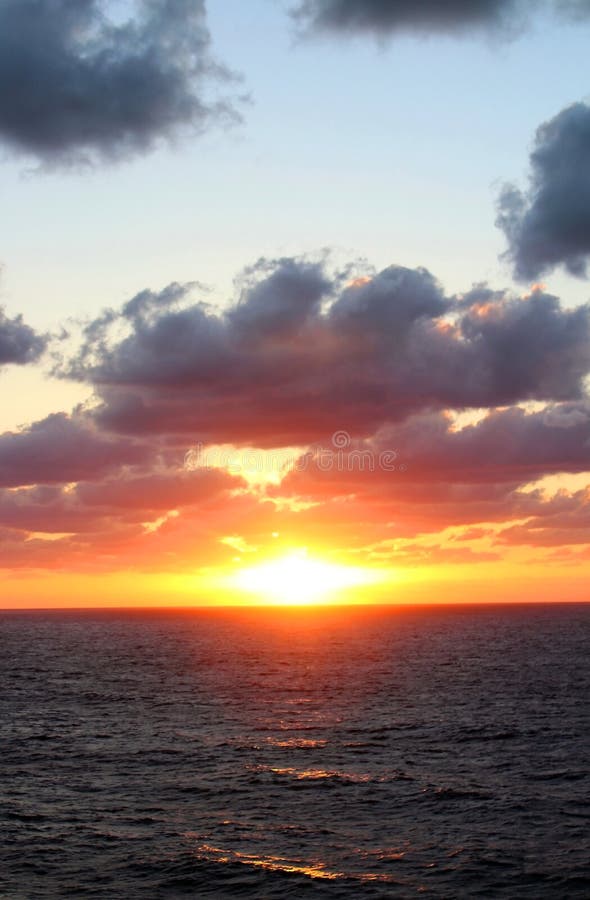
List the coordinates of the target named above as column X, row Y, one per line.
column 292, row 753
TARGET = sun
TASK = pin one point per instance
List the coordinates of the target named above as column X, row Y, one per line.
column 297, row 579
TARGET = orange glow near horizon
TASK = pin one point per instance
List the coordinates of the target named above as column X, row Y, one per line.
column 292, row 578
column 299, row 580
column 477, row 583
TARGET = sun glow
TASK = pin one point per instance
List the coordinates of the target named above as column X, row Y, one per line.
column 297, row 579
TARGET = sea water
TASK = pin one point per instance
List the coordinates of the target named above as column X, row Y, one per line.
column 293, row 753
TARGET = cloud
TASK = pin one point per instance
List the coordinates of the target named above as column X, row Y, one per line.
column 76, row 87
column 19, row 344
column 565, row 520
column 468, row 475
column 143, row 516
column 548, row 224
column 152, row 514
column 389, row 16
column 155, row 490
column 129, row 498
column 575, row 10
column 421, row 554
column 61, row 449
column 303, row 353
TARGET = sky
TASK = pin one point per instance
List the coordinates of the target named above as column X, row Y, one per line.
column 294, row 291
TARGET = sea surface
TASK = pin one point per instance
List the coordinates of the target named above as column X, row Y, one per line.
column 338, row 753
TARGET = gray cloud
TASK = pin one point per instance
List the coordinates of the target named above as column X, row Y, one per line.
column 301, row 354
column 60, row 449
column 388, row 16
column 549, row 223
column 282, row 301
column 105, row 502
column 75, row 86
column 575, row 10
column 563, row 521
column 508, row 447
column 19, row 344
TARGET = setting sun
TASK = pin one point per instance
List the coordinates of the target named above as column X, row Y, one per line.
column 297, row 579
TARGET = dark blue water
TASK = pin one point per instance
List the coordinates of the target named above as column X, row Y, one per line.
column 292, row 754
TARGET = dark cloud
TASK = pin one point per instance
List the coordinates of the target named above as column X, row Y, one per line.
column 159, row 516
column 389, row 304
column 548, row 224
column 155, row 490
column 48, row 509
column 61, row 449
column 129, row 499
column 75, row 86
column 507, row 446
column 505, row 449
column 575, row 10
column 388, row 16
column 479, row 476
column 279, row 300
column 301, row 355
column 564, row 520
column 19, row 344
column 144, row 516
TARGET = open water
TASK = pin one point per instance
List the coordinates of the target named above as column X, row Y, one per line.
column 340, row 753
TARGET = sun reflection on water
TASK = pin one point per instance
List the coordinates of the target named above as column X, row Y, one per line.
column 315, row 869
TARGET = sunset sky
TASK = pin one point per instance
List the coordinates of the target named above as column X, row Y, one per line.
column 295, row 301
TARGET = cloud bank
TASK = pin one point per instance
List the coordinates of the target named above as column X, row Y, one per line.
column 369, row 351
column 301, row 352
